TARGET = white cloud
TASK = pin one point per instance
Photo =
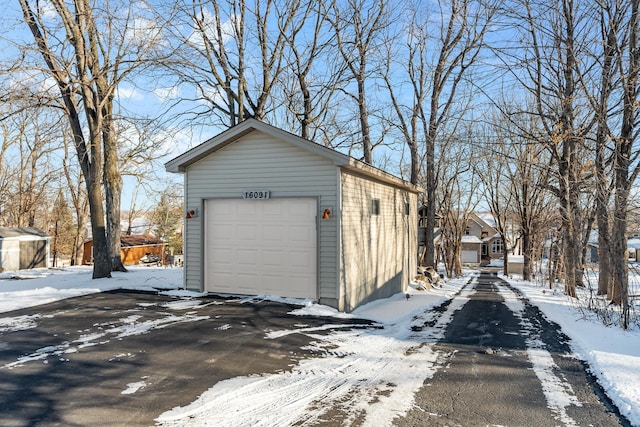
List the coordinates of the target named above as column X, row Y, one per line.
column 129, row 93
column 167, row 93
column 209, row 22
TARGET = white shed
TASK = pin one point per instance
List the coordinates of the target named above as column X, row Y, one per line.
column 23, row 248
column 270, row 213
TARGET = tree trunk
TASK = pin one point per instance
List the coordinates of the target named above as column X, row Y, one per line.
column 602, row 213
column 505, row 258
column 431, row 200
column 527, row 252
column 569, row 241
column 113, row 188
column 101, row 252
column 364, row 121
column 78, row 240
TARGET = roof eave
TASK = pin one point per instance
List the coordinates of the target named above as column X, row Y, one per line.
column 354, row 165
column 183, row 161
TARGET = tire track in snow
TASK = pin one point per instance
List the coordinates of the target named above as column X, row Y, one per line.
column 557, row 390
column 126, row 327
column 364, row 376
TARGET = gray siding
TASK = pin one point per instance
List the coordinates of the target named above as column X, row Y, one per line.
column 475, row 229
column 258, row 161
column 379, row 252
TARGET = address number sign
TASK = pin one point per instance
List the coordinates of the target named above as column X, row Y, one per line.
column 256, row 194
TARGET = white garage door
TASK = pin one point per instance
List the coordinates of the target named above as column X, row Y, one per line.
column 469, row 256
column 257, row 247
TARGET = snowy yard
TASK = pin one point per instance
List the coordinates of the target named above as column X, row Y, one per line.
column 357, row 367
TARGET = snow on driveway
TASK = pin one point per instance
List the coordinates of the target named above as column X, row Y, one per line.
column 612, row 354
column 102, row 334
column 558, row 392
column 367, row 375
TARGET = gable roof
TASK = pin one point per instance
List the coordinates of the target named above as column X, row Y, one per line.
column 470, row 239
column 488, row 218
column 485, row 220
column 180, row 163
column 139, row 240
column 22, row 233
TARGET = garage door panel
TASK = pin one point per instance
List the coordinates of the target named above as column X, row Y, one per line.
column 246, row 259
column 300, row 235
column 275, row 209
column 273, row 232
column 225, row 258
column 469, row 256
column 273, row 258
column 296, row 209
column 222, row 279
column 248, row 232
column 303, row 260
column 261, row 247
column 219, row 209
column 225, row 233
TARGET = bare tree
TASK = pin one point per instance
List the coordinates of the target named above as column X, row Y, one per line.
column 5, row 172
column 61, row 228
column 436, row 69
column 553, row 39
column 358, row 26
column 626, row 166
column 28, row 165
column 309, row 89
column 78, row 194
column 600, row 101
column 457, row 198
column 611, row 87
column 229, row 56
column 89, row 49
column 166, row 217
column 494, row 170
column 529, row 182
column 141, row 144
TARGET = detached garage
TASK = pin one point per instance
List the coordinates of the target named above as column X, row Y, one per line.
column 270, row 213
column 23, row 248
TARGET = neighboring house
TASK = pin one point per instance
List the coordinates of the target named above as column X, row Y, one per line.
column 422, row 235
column 481, row 242
column 471, row 249
column 592, row 254
column 132, row 248
column 23, row 248
column 268, row 212
column 633, row 248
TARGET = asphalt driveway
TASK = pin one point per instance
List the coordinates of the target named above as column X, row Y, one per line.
column 123, row 358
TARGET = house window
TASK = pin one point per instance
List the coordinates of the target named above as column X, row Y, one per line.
column 485, row 249
column 375, row 206
column 497, row 247
column 467, row 232
column 406, row 209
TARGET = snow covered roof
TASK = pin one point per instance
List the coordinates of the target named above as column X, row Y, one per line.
column 633, row 243
column 489, row 238
column 140, row 240
column 488, row 218
column 516, row 259
column 470, row 239
column 22, row 233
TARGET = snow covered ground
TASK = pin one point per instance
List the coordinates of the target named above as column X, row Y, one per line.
column 370, row 373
